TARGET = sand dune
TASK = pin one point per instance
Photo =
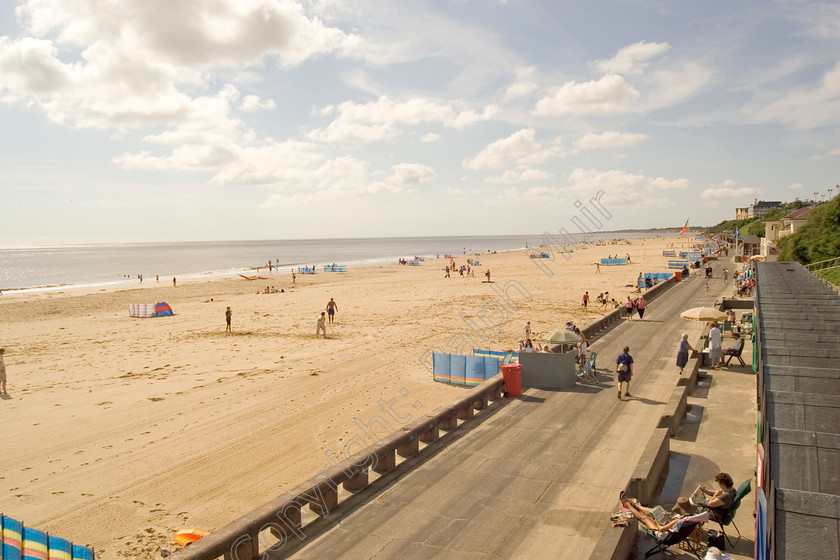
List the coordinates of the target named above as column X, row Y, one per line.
column 121, row 431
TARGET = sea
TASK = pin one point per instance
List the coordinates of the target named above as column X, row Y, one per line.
column 65, row 266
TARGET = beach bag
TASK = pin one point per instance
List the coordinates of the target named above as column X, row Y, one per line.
column 717, row 539
column 622, row 367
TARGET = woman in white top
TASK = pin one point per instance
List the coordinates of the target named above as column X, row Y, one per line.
column 715, row 345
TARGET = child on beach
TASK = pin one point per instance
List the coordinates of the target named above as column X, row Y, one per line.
column 3, row 372
column 322, row 325
column 228, row 313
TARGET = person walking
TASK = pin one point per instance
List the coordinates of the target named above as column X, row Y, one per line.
column 628, row 307
column 3, row 373
column 585, row 300
column 641, row 304
column 228, row 313
column 715, row 346
column 682, row 352
column 332, row 307
column 597, row 268
column 322, row 325
column 624, row 370
column 174, row 282
column 528, row 329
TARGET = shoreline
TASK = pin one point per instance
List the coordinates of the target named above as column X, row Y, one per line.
column 121, row 279
column 108, row 412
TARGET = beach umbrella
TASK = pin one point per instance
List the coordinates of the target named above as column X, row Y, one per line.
column 703, row 314
column 561, row 336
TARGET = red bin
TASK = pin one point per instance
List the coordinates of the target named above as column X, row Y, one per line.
column 678, row 275
column 512, row 374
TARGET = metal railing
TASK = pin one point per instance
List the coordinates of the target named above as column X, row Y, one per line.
column 822, row 265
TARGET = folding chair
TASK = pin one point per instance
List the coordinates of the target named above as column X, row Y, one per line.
column 742, row 491
column 670, row 539
column 588, row 373
column 736, row 355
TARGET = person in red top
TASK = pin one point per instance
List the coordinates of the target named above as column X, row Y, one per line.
column 641, row 304
column 586, row 299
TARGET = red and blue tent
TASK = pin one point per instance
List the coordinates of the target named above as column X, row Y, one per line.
column 162, row 309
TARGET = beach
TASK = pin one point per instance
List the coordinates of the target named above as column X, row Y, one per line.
column 120, row 431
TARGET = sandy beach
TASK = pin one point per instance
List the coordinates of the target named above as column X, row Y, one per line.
column 120, row 431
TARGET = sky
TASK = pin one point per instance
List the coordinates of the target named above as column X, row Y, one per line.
column 127, row 121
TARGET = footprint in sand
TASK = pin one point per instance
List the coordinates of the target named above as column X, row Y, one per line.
column 58, row 492
column 26, row 469
column 86, row 495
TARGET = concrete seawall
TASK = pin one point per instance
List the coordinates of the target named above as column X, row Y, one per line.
column 333, row 494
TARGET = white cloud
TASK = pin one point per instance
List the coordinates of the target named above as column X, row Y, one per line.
column 430, row 137
column 609, row 139
column 729, row 189
column 831, row 153
column 520, row 147
column 519, row 89
column 510, row 177
column 129, row 65
column 795, row 186
column 608, row 95
column 622, row 187
column 805, row 108
column 632, row 59
column 409, row 175
column 671, row 86
column 252, row 103
column 359, row 123
column 189, row 32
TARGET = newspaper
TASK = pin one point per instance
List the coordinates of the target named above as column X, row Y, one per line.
column 698, row 496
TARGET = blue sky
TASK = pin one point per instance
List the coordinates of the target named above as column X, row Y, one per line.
column 273, row 119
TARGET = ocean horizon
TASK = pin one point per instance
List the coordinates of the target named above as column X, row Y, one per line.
column 107, row 264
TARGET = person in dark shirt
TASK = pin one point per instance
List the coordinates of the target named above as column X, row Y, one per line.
column 719, row 502
column 624, row 370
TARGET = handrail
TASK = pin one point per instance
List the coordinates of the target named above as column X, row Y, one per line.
column 833, row 260
column 240, row 539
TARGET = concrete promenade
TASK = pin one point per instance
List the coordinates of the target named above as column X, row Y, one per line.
column 540, row 477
